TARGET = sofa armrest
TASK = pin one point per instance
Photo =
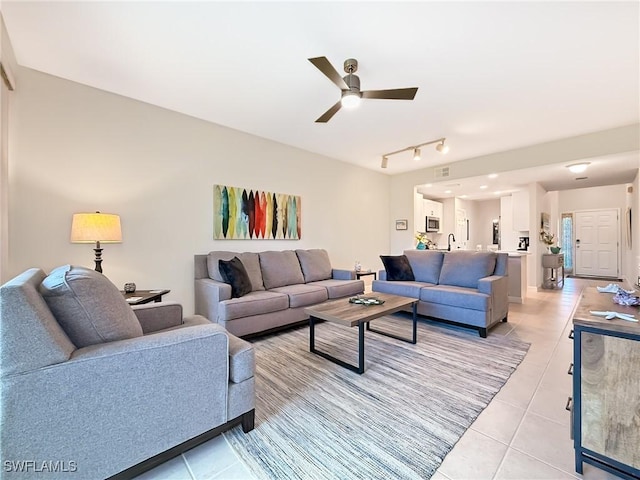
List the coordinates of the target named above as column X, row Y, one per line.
column 382, row 274
column 498, row 287
column 209, row 293
column 133, row 391
column 341, row 274
column 158, row 316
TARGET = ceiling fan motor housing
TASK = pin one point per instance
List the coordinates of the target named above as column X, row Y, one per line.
column 353, row 82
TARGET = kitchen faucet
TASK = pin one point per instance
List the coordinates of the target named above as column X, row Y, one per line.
column 449, row 241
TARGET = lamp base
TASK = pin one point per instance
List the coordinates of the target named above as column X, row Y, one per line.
column 98, row 259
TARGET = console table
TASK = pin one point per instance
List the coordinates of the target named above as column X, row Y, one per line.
column 552, row 265
column 606, row 382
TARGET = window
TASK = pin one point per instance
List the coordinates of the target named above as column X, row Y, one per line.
column 566, row 236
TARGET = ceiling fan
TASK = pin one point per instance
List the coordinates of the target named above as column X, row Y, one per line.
column 350, row 86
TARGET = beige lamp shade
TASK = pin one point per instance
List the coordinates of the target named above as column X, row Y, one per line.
column 96, row 227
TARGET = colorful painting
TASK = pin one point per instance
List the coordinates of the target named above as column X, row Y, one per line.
column 241, row 214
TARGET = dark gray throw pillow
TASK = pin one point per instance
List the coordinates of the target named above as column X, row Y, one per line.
column 397, row 268
column 234, row 273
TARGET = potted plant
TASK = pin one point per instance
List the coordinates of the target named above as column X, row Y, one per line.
column 549, row 240
column 421, row 238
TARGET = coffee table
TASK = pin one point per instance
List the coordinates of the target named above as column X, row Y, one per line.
column 351, row 314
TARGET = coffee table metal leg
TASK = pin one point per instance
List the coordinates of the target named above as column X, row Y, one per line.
column 312, row 348
column 414, row 338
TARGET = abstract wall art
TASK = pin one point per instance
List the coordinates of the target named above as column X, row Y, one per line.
column 245, row 214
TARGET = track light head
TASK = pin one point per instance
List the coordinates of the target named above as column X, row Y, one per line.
column 385, row 160
column 416, row 154
column 442, row 148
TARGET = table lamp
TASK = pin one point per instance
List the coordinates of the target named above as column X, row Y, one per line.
column 96, row 227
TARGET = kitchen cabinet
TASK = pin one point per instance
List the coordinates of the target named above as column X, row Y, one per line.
column 520, row 210
column 606, row 382
column 432, row 208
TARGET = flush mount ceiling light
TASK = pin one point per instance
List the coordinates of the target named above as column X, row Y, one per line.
column 440, row 147
column 578, row 167
column 350, row 99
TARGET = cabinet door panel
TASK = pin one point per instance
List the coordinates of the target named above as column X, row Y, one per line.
column 610, row 386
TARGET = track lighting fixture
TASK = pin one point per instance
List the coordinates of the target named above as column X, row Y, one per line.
column 440, row 147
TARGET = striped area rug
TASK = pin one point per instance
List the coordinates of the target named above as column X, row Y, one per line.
column 317, row 420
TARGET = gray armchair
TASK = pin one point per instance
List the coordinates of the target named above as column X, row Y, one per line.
column 80, row 394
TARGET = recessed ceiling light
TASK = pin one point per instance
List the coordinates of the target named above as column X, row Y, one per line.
column 463, row 196
column 447, row 191
column 578, row 167
column 482, row 187
column 497, row 193
column 492, row 175
column 429, row 185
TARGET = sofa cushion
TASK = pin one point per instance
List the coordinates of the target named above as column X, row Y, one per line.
column 88, row 306
column 303, row 295
column 464, row 269
column 315, row 264
column 403, row 289
column 397, row 268
column 249, row 260
column 254, row 303
column 461, row 297
column 234, row 273
column 280, row 268
column 341, row 288
column 425, row 264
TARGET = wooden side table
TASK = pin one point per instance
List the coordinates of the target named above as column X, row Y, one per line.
column 144, row 296
column 364, row 274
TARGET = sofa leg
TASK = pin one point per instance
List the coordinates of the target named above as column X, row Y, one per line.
column 482, row 332
column 248, row 420
column 505, row 318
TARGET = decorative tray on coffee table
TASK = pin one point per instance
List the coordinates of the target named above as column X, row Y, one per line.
column 366, row 301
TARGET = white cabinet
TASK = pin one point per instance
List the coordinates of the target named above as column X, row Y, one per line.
column 520, row 209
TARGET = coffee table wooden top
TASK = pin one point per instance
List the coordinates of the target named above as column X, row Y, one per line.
column 351, row 314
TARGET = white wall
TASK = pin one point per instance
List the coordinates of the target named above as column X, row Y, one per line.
column 611, row 196
column 76, row 149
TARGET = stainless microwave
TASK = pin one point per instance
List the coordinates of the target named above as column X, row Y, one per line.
column 432, row 224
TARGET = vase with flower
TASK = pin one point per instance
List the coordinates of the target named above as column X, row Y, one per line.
column 549, row 240
column 422, row 240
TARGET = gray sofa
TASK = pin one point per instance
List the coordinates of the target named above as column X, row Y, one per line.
column 461, row 287
column 283, row 283
column 93, row 388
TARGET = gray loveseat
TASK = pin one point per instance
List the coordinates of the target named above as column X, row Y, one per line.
column 283, row 283
column 93, row 388
column 461, row 287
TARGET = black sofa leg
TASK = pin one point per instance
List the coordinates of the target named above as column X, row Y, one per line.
column 248, row 420
column 482, row 332
column 505, row 318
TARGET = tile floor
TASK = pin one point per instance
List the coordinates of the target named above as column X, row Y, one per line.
column 522, row 434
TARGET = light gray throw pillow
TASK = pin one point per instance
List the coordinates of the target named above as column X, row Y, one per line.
column 88, row 306
column 250, row 261
column 315, row 264
column 280, row 269
column 464, row 269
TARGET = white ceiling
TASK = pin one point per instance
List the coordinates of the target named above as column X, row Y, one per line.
column 492, row 76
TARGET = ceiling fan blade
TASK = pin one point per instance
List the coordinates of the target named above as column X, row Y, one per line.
column 393, row 94
column 326, row 116
column 332, row 74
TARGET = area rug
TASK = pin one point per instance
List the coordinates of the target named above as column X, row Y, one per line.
column 317, row 420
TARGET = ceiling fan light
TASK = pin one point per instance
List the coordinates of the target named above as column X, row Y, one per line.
column 385, row 160
column 416, row 154
column 442, row 148
column 578, row 167
column 350, row 99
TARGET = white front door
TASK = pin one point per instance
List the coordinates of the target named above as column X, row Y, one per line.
column 596, row 244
